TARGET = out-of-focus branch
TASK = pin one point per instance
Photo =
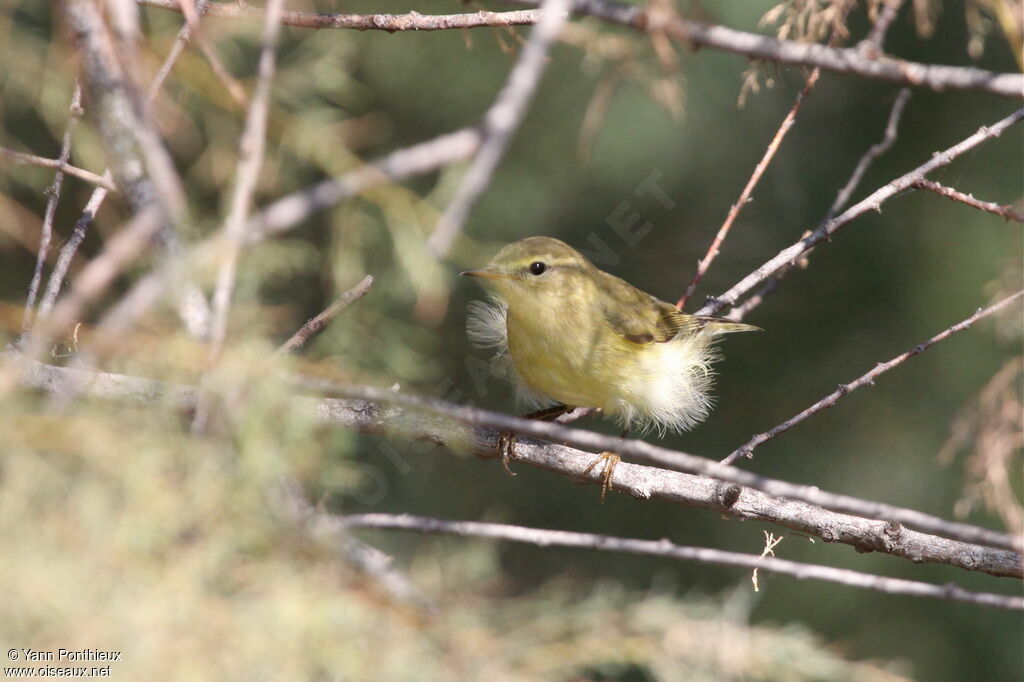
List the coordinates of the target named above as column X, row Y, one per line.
column 330, row 531
column 412, row 21
column 316, row 324
column 61, row 165
column 750, row 45
column 74, row 111
column 70, row 248
column 873, row 202
column 842, row 197
column 664, row 548
column 866, row 379
column 438, row 422
column 500, row 122
column 872, row 45
column 1004, row 212
column 141, row 166
column 250, row 160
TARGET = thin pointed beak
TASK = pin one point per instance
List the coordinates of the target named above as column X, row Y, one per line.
column 487, row 273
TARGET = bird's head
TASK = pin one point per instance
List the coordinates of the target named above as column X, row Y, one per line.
column 535, row 269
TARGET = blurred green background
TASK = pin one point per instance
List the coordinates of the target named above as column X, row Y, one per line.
column 885, row 283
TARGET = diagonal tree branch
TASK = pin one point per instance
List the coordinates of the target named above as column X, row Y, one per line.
column 871, row 203
column 1004, row 212
column 866, row 379
column 440, row 426
column 316, row 324
column 61, row 165
column 664, row 548
column 501, row 122
column 842, row 198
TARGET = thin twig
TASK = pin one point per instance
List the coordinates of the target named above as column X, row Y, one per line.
column 842, row 198
column 74, row 112
column 329, row 530
column 500, row 122
column 751, row 45
column 705, row 263
column 96, row 277
column 192, row 11
column 872, row 203
column 412, row 21
column 141, row 165
column 251, row 148
column 873, row 44
column 313, row 326
column 92, row 207
column 60, row 165
column 641, row 482
column 288, row 212
column 868, row 378
column 666, row 549
column 1004, row 212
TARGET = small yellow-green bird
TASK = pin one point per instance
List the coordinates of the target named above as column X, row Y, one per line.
column 579, row 337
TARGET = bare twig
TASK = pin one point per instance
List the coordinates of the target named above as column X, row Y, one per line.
column 413, row 21
column 771, row 541
column 704, row 263
column 642, row 482
column 329, row 529
column 317, row 323
column 842, row 197
column 871, row 203
column 46, row 235
column 250, row 160
column 70, row 248
column 867, row 379
column 60, row 165
column 664, row 548
column 192, row 10
column 95, row 277
column 873, row 44
column 142, row 167
column 751, row 45
column 1004, row 212
column 500, row 122
column 289, row 211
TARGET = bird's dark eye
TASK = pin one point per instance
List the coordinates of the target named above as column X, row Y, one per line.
column 538, row 268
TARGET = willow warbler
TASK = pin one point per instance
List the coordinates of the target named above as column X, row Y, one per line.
column 576, row 336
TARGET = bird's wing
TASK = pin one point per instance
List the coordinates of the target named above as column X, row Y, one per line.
column 641, row 318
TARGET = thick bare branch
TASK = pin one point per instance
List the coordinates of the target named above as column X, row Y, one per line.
column 866, row 379
column 316, row 324
column 873, row 202
column 501, row 122
column 642, row 482
column 664, row 548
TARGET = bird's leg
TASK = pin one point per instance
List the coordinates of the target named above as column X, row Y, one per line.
column 507, row 439
column 609, row 460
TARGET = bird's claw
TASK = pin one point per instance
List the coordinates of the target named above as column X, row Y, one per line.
column 610, row 461
column 507, row 450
